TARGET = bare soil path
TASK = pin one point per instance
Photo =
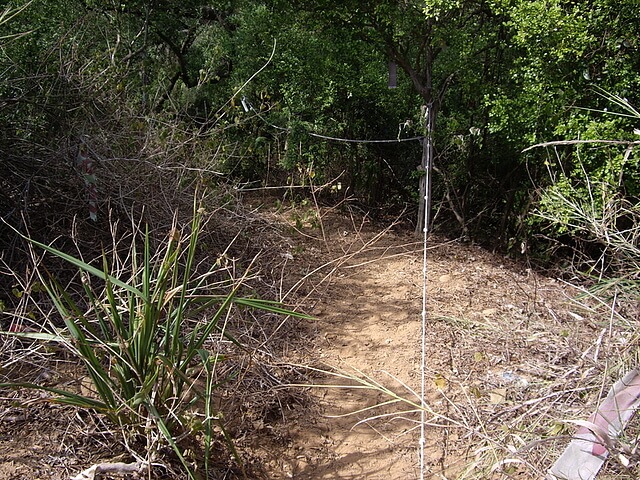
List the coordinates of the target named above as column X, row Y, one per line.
column 506, row 350
column 510, row 357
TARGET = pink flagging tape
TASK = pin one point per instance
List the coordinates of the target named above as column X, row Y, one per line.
column 584, row 456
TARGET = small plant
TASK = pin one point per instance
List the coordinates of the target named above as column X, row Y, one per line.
column 142, row 334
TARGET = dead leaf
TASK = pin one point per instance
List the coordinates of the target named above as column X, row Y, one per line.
column 497, row 396
column 478, row 356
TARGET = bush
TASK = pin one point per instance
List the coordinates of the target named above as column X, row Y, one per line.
column 593, row 208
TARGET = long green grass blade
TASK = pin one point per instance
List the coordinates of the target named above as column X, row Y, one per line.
column 208, row 407
column 164, row 430
column 83, row 265
column 42, row 336
column 63, row 396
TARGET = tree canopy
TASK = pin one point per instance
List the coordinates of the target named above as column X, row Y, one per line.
column 500, row 75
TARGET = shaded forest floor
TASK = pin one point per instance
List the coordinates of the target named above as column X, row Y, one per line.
column 511, row 355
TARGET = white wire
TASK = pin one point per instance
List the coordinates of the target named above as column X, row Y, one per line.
column 350, row 140
column 325, row 137
column 423, row 356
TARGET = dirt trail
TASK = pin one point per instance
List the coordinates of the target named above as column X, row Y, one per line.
column 489, row 324
column 370, row 322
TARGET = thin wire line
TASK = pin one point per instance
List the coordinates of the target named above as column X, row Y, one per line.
column 423, row 357
column 336, row 139
column 348, row 140
column 423, row 349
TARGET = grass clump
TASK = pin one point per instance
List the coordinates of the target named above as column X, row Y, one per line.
column 143, row 332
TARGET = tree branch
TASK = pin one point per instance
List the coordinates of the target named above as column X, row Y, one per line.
column 577, row 142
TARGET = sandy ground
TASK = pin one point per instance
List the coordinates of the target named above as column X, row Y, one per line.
column 496, row 336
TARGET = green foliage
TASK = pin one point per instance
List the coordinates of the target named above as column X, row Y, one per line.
column 591, row 174
column 504, row 74
column 144, row 338
column 322, row 80
column 510, row 72
column 592, row 198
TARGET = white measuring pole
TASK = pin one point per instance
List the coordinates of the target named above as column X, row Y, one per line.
column 427, row 163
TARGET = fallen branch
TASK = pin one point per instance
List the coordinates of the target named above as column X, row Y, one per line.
column 117, row 468
column 577, row 142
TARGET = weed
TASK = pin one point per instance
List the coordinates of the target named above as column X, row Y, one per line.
column 141, row 333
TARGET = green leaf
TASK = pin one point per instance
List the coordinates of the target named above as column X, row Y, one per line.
column 63, row 396
column 83, row 266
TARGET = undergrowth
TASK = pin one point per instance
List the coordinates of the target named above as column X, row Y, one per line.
column 148, row 330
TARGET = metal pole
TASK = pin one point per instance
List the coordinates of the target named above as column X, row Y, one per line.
column 426, row 167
